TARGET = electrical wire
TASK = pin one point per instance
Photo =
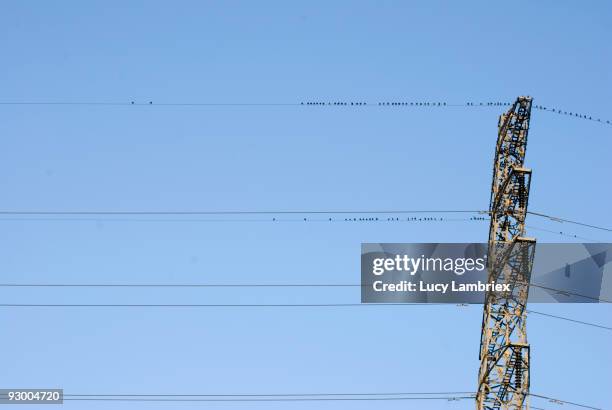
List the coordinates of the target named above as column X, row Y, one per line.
column 567, row 292
column 558, row 219
column 275, row 394
column 279, row 305
column 212, row 305
column 237, row 285
column 568, row 319
column 147, row 103
column 448, row 395
column 447, row 398
column 222, row 212
column 7, row 213
column 566, row 234
column 328, row 103
column 555, row 400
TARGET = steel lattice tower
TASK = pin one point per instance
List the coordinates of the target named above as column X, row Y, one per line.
column 503, row 379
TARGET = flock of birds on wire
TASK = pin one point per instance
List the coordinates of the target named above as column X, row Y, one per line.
column 444, row 104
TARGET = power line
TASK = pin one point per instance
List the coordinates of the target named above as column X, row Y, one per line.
column 349, row 219
column 179, row 285
column 237, row 285
column 567, row 292
column 568, row 319
column 309, row 220
column 327, row 103
column 566, row 402
column 566, row 234
column 302, row 399
column 147, row 103
column 279, row 305
column 272, row 216
column 470, row 104
column 558, row 219
column 448, row 395
column 224, row 212
column 182, row 213
column 214, row 305
column 394, row 219
column 273, row 394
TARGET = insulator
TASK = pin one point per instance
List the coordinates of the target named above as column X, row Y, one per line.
column 518, row 369
column 522, row 194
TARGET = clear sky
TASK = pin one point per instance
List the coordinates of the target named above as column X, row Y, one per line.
column 287, row 157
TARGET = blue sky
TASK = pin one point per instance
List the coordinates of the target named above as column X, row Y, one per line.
column 150, row 157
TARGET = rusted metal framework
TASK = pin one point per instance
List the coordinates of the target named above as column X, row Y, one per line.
column 503, row 379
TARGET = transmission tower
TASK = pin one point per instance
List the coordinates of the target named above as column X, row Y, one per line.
column 503, row 378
